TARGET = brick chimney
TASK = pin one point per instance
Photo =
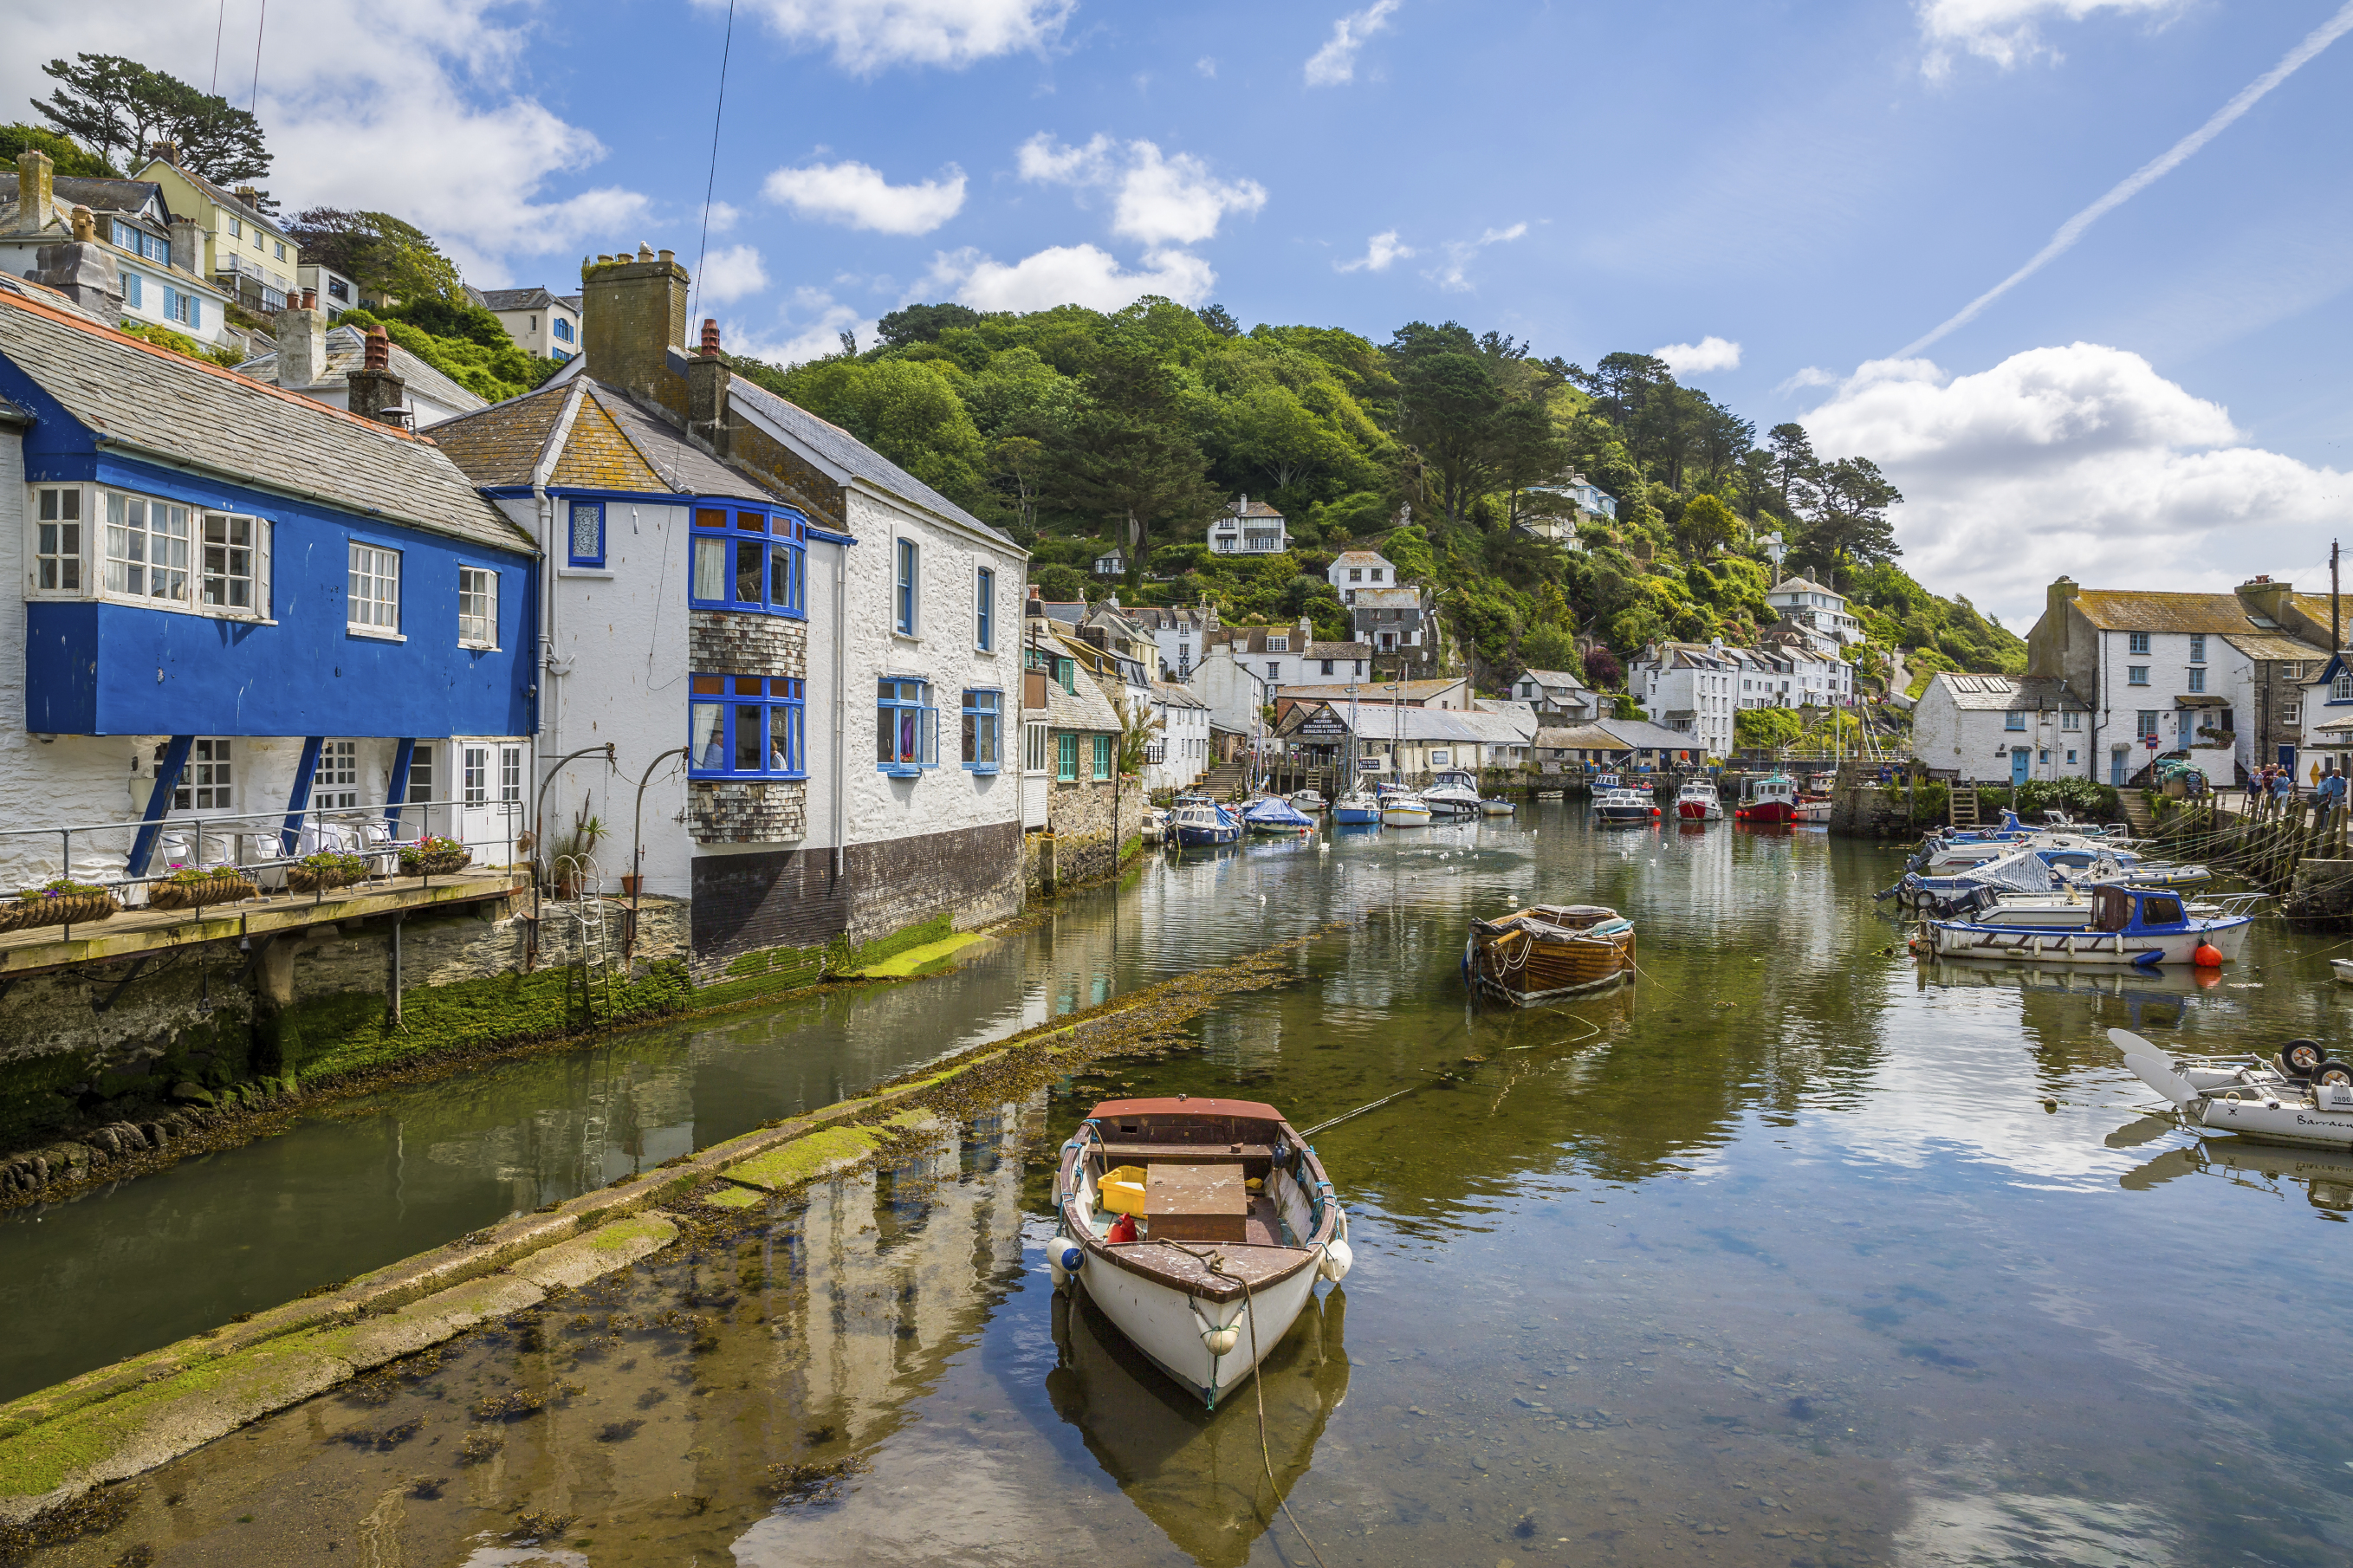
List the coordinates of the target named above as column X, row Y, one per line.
column 2273, row 600
column 633, row 312
column 301, row 342
column 706, row 391
column 1307, row 632
column 189, row 246
column 36, row 191
column 373, row 386
column 82, row 270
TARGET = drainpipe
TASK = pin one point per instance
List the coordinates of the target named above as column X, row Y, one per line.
column 840, row 701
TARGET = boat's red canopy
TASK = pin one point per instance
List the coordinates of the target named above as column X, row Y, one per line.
column 1171, row 1106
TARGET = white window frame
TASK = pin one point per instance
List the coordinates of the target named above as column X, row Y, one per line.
column 229, row 547
column 473, row 772
column 336, row 784
column 58, row 554
column 131, row 540
column 370, row 611
column 478, row 629
column 210, row 772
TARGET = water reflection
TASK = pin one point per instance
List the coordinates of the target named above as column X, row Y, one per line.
column 1200, row 1477
column 2323, row 1177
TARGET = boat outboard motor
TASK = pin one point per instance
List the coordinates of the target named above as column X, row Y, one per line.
column 1282, row 1155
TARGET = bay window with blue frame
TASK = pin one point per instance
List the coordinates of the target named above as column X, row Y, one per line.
column 906, row 727
column 752, row 559
column 747, row 727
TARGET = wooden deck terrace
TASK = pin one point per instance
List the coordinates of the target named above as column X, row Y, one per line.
column 131, row 932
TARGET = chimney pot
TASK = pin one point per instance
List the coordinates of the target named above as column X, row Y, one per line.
column 379, row 350
column 645, row 251
column 668, row 257
column 302, row 345
column 36, row 201
column 709, row 337
column 310, row 299
column 167, row 151
column 373, row 386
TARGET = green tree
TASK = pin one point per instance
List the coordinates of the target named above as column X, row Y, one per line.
column 922, row 323
column 1448, row 407
column 116, row 105
column 1550, row 648
column 387, row 257
column 1127, row 458
column 1220, row 321
column 1706, row 525
column 1794, row 466
column 1850, row 517
column 69, row 157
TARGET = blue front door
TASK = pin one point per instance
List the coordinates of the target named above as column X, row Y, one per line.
column 2019, row 758
column 2116, row 765
column 2287, row 758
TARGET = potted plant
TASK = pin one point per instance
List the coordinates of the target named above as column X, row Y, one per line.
column 60, row 901
column 432, row 856
column 194, row 887
column 326, row 871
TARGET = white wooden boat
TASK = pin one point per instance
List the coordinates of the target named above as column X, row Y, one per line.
column 1308, row 801
column 1155, row 823
column 1496, row 806
column 1235, row 1222
column 2343, row 968
column 2139, row 926
column 1403, row 810
column 1698, row 801
column 2258, row 1103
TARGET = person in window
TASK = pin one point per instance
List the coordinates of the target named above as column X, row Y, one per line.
column 714, row 756
column 776, row 758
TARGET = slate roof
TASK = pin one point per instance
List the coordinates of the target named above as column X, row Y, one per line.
column 1804, row 586
column 1552, row 679
column 1254, row 509
column 220, row 196
column 2138, row 610
column 2273, row 645
column 613, row 444
column 1619, row 736
column 1381, row 722
column 1386, row 599
column 1087, row 709
column 837, row 448
column 71, row 191
column 2001, row 694
column 347, row 351
column 1360, row 558
column 1176, row 695
column 151, row 401
column 1411, row 693
column 513, row 298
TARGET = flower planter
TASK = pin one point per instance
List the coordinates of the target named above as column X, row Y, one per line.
column 309, row 879
column 440, row 863
column 225, row 888
column 70, row 909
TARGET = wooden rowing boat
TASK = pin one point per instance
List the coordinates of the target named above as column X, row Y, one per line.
column 1234, row 1222
column 1548, row 951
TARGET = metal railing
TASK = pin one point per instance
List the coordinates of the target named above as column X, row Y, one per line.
column 261, row 848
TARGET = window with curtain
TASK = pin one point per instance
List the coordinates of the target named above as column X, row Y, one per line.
column 905, row 587
column 587, row 543
column 982, row 717
column 906, row 727
column 747, row 726
column 751, row 561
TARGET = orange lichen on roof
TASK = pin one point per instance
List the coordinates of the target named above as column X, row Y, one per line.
column 599, row 456
column 2138, row 610
column 501, row 445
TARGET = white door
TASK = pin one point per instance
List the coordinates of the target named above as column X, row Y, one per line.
column 487, row 787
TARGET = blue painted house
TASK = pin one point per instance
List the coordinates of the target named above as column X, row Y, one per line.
column 236, row 601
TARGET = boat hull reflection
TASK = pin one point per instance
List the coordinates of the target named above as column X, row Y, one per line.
column 1199, row 1477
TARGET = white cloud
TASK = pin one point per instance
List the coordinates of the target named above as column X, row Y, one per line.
column 426, row 120
column 1065, row 274
column 1207, row 66
column 723, row 217
column 857, row 196
column 2009, row 32
column 810, row 329
column 2081, row 460
column 731, row 274
column 1697, row 359
column 867, row 35
column 1379, row 251
column 1453, row 274
column 1335, row 62
column 1156, row 200
column 1811, row 375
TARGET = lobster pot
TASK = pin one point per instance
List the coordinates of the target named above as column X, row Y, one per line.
column 1538, row 954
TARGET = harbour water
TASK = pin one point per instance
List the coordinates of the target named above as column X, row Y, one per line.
column 1793, row 1252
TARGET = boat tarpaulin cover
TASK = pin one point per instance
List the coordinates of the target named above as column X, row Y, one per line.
column 1275, row 812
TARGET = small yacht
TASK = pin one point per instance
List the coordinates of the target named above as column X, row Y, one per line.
column 1308, row 801
column 1357, row 808
column 1198, row 823
column 1698, row 801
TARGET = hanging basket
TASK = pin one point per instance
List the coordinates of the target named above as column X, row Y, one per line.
column 66, row 908
column 326, row 871
column 438, row 861
column 223, row 888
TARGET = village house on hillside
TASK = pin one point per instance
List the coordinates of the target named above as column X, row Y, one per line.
column 830, row 646
column 134, row 262
column 1555, row 696
column 544, row 325
column 1353, row 570
column 1688, row 687
column 1248, row 528
column 250, row 255
column 2218, row 677
column 317, row 360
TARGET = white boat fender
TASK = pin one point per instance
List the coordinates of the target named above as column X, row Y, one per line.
column 1064, row 1258
column 1338, row 1258
column 1221, row 1338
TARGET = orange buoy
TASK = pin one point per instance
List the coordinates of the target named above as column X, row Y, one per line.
column 2208, row 956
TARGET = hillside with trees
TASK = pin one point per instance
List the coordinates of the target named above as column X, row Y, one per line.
column 1077, row 430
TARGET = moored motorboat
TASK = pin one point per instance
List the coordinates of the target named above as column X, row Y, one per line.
column 1771, row 799
column 1400, row 809
column 1199, row 1226
column 1546, row 951
column 1454, row 792
column 2343, row 969
column 1197, row 824
column 1155, row 823
column 1811, row 808
column 1623, row 807
column 1698, row 801
column 1273, row 814
column 2139, row 926
column 1496, row 806
column 1308, row 801
column 1357, row 808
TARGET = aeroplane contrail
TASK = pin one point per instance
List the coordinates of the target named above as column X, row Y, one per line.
column 2149, row 173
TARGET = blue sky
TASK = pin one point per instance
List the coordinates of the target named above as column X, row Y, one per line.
column 2164, row 404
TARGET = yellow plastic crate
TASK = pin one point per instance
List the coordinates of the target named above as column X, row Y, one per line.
column 1122, row 1190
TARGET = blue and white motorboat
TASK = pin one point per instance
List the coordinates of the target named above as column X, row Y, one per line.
column 1454, row 792
column 1624, row 807
column 1273, row 814
column 2032, row 868
column 1357, row 808
column 2142, row 926
column 1195, row 823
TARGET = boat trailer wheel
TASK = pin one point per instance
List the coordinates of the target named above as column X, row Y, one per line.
column 2301, row 1056
column 2335, row 1073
